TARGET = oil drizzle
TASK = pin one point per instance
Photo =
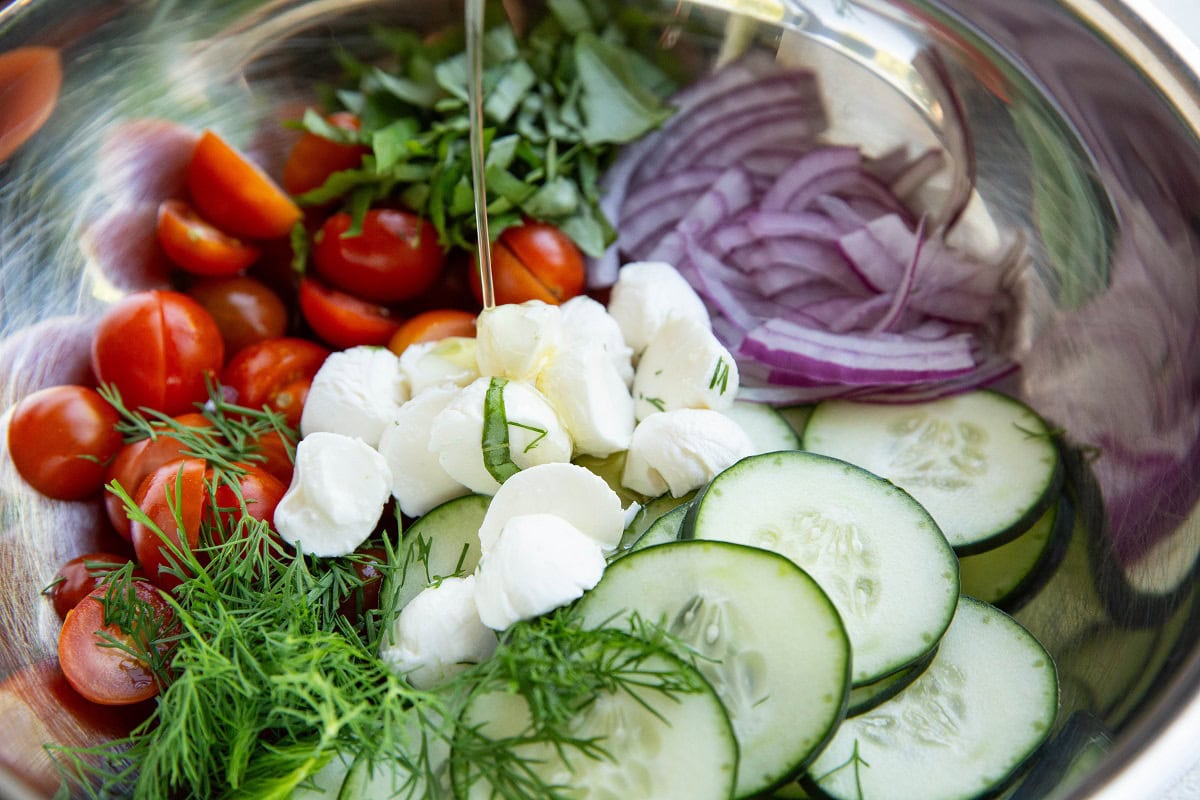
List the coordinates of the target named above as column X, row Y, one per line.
column 474, row 30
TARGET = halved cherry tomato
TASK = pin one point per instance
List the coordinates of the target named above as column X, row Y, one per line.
column 61, row 439
column 396, row 256
column 30, row 80
column 234, row 194
column 139, row 459
column 314, row 158
column 432, row 326
column 276, row 455
column 534, row 261
column 367, row 563
column 174, row 498
column 245, row 310
column 157, row 348
column 256, row 495
column 198, row 247
column 79, row 576
column 343, row 320
column 275, row 373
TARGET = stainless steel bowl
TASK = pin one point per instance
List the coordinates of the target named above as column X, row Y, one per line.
column 1075, row 125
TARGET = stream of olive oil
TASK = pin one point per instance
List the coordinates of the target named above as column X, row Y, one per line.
column 474, row 29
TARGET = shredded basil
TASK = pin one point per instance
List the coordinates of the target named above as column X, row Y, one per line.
column 497, row 454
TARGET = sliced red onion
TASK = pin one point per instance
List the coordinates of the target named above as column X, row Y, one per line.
column 808, row 169
column 728, row 195
column 647, row 197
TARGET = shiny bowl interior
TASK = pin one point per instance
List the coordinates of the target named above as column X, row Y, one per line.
column 1076, row 126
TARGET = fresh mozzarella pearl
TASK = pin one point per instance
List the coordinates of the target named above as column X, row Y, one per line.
column 684, row 367
column 586, row 320
column 646, row 295
column 336, row 497
column 516, row 340
column 356, row 392
column 418, row 481
column 591, row 398
column 535, row 433
column 682, row 450
column 438, row 633
column 538, row 563
column 571, row 492
column 448, row 361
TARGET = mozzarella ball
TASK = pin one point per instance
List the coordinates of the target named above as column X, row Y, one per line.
column 356, row 392
column 678, row 451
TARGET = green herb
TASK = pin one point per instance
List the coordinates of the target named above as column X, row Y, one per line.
column 720, row 376
column 497, row 453
column 541, row 434
column 657, row 402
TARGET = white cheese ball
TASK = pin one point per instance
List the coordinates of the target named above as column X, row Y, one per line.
column 684, row 367
column 516, row 341
column 678, row 451
column 538, row 563
column 418, row 481
column 356, row 392
column 336, row 497
column 586, row 320
column 591, row 398
column 646, row 295
column 536, row 435
column 438, row 634
column 574, row 493
column 448, row 361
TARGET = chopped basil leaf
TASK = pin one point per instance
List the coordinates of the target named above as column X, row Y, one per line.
column 497, row 454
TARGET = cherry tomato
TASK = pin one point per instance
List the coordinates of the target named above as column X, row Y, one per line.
column 137, row 460
column 431, row 326
column 366, row 564
column 343, row 320
column 100, row 672
column 395, row 258
column 235, row 195
column 79, row 576
column 61, row 438
column 198, row 247
column 260, row 492
column 245, row 310
column 277, row 455
column 157, row 347
column 174, row 498
column 314, row 158
column 534, row 261
column 275, row 373
column 30, row 80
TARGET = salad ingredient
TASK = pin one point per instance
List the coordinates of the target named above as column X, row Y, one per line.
column 432, row 326
column 343, row 320
column 587, row 320
column 991, row 693
column 684, row 366
column 275, row 374
column 591, row 398
column 61, row 438
column 246, row 310
column 419, row 483
column 957, row 456
column 538, row 563
column 864, row 698
column 877, row 553
column 32, row 78
column 100, row 647
column 356, row 392
column 441, row 544
column 236, row 195
column 1006, row 574
column 783, row 689
column 392, row 256
column 336, row 497
column 766, row 427
column 648, row 293
column 197, row 246
column 667, row 527
column 78, row 577
column 172, row 498
column 448, row 361
column 679, row 451
column 534, row 261
column 314, row 158
column 517, row 341
column 438, row 633
column 158, row 349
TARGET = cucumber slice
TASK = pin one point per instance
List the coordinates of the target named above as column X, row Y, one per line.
column 1003, row 575
column 873, row 549
column 767, row 429
column 441, row 544
column 665, row 529
column 864, row 698
column 768, row 639
column 648, row 515
column 961, row 730
column 658, row 745
column 796, row 416
column 984, row 465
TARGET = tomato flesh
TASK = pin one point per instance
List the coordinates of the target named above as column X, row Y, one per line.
column 198, row 247
column 432, row 326
column 78, row 577
column 245, row 310
column 276, row 374
column 534, row 261
column 314, row 158
column 173, row 498
column 235, row 195
column 396, row 257
column 343, row 320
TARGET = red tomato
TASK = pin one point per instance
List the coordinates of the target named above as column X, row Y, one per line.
column 431, row 326
column 30, row 80
column 395, row 258
column 275, row 373
column 367, row 567
column 61, row 439
column 102, row 673
column 260, row 492
column 198, row 247
column 137, row 460
column 344, row 320
column 174, row 498
column 534, row 261
column 157, row 347
column 277, row 456
column 78, row 577
column 245, row 310
column 234, row 194
column 314, row 158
